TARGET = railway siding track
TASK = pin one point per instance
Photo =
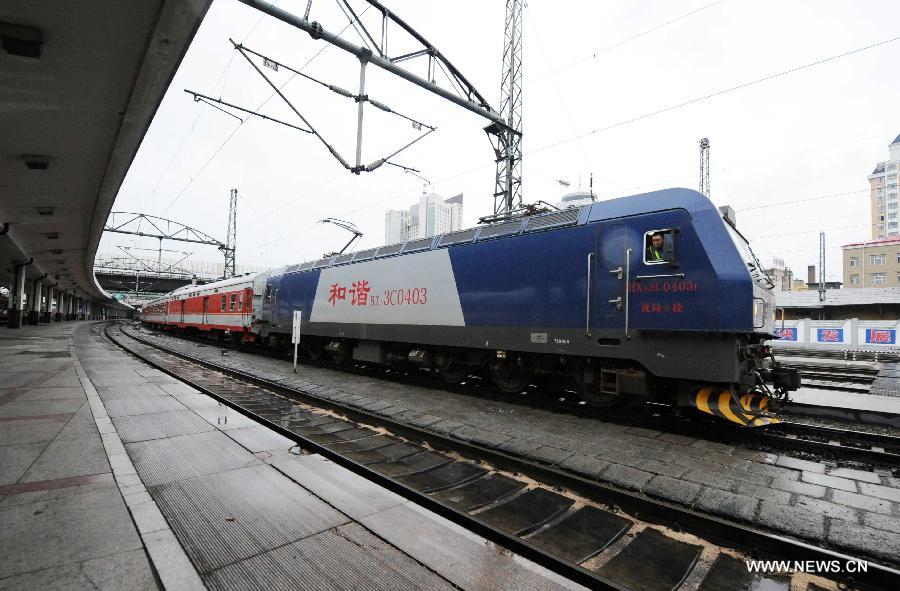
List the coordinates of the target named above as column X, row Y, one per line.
column 570, row 524
column 836, row 377
column 874, row 449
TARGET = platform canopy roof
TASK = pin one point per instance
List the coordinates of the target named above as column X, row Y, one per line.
column 80, row 82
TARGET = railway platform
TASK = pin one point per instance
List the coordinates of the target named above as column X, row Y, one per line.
column 116, row 475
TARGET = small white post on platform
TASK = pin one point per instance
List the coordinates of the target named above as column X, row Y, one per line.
column 295, row 334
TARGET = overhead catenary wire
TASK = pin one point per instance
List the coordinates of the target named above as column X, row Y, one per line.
column 222, row 77
column 623, row 42
column 710, row 95
column 236, row 129
column 744, row 85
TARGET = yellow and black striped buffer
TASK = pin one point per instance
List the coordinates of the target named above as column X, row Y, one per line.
column 747, row 410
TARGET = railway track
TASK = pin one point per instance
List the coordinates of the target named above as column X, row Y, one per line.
column 592, row 533
column 836, row 377
column 873, row 449
column 831, row 444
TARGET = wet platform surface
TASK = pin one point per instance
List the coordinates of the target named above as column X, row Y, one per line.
column 853, row 510
column 243, row 511
column 63, row 521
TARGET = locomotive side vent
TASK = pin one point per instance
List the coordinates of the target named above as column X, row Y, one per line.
column 322, row 263
column 552, row 220
column 306, row 266
column 416, row 245
column 460, row 237
column 497, row 230
column 365, row 255
column 291, row 269
column 344, row 258
column 389, row 250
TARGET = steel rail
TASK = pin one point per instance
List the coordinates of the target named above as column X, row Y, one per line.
column 838, row 442
column 651, row 510
column 715, row 431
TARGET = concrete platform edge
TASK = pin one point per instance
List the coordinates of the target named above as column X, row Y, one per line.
column 175, row 570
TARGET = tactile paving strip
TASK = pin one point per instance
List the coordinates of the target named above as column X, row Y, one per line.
column 161, row 461
column 140, row 405
column 651, row 562
column 225, row 517
column 159, row 425
column 348, row 557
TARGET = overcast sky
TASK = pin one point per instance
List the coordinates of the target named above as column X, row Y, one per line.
column 779, row 147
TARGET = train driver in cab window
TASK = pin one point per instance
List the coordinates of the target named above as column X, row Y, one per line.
column 658, row 247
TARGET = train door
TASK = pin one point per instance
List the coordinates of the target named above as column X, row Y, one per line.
column 181, row 304
column 246, row 306
column 613, row 269
column 205, row 317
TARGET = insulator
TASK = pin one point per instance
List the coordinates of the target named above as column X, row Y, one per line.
column 341, row 91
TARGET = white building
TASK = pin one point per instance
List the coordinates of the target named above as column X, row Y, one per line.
column 885, row 203
column 431, row 216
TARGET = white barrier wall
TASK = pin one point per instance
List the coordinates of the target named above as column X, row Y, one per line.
column 838, row 334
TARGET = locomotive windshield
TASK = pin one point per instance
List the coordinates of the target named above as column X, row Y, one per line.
column 753, row 265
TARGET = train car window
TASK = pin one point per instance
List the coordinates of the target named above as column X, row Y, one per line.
column 659, row 246
column 224, row 302
column 233, row 302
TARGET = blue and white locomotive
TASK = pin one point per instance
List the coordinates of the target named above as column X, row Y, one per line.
column 653, row 295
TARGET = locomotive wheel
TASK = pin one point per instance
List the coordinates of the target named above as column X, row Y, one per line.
column 510, row 375
column 588, row 384
column 341, row 355
column 452, row 368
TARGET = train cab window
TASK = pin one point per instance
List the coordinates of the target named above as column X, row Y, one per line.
column 224, row 303
column 659, row 246
column 233, row 302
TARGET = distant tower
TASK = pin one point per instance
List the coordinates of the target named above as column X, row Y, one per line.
column 704, row 166
column 821, row 266
column 508, row 146
column 231, row 240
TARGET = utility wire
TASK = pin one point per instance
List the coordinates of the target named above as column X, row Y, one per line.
column 241, row 124
column 804, row 200
column 712, row 95
column 222, row 75
column 623, row 42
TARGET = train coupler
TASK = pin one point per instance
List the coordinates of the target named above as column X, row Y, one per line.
column 751, row 409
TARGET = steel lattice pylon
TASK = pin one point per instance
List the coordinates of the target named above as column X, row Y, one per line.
column 507, row 141
column 231, row 237
column 704, row 166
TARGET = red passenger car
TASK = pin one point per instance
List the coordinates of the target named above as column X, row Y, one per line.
column 223, row 306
